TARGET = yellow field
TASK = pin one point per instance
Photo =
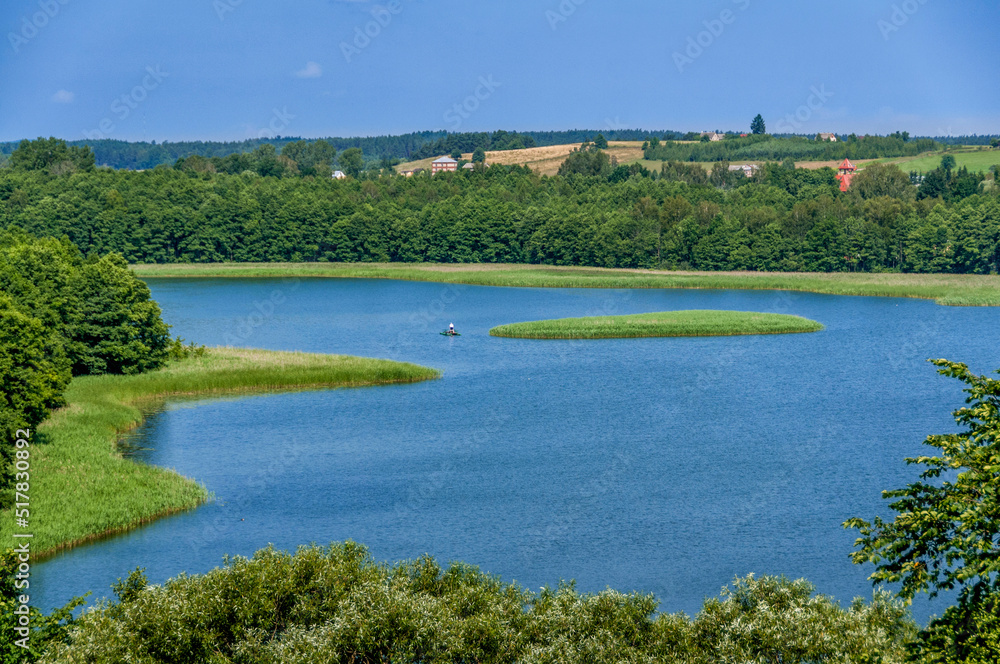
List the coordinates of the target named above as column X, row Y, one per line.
column 546, row 160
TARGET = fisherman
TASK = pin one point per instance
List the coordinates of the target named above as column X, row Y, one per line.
column 451, row 328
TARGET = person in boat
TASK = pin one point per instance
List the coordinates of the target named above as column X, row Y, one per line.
column 451, row 328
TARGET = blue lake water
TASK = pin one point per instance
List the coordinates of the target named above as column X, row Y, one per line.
column 661, row 465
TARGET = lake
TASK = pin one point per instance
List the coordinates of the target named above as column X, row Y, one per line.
column 660, row 465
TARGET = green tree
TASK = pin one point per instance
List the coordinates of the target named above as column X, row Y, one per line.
column 352, row 161
column 945, row 533
column 586, row 163
column 967, row 633
column 600, row 142
column 758, row 126
column 948, row 164
column 51, row 155
column 934, row 185
column 34, row 372
column 883, row 180
column 479, row 156
column 117, row 328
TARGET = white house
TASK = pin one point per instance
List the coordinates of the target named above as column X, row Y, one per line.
column 748, row 169
column 339, row 175
column 832, row 138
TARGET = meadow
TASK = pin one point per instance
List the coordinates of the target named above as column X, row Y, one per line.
column 660, row 324
column 977, row 160
column 83, row 488
column 945, row 289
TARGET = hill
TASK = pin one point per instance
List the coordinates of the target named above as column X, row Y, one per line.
column 545, row 160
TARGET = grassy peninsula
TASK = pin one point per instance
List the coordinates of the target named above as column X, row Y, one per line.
column 82, row 488
column 946, row 289
column 661, row 324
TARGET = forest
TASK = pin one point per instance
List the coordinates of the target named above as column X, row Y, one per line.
column 141, row 155
column 680, row 217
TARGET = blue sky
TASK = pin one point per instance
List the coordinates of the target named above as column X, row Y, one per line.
column 236, row 69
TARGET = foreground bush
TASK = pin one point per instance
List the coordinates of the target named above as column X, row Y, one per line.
column 336, row 605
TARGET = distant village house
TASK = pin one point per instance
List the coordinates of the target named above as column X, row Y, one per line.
column 444, row 164
column 830, row 138
column 339, row 175
column 748, row 169
column 713, row 135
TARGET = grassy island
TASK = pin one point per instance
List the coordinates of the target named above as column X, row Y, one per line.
column 662, row 324
column 947, row 289
column 82, row 488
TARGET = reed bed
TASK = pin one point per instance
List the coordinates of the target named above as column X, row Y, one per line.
column 662, row 324
column 945, row 289
column 82, row 488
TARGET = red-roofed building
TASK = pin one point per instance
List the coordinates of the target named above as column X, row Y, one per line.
column 845, row 173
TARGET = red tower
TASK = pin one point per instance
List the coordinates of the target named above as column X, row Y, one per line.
column 845, row 174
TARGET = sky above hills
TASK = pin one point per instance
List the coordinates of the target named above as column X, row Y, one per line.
column 237, row 69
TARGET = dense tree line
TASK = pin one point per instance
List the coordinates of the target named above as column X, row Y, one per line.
column 142, row 155
column 64, row 315
column 763, row 147
column 682, row 216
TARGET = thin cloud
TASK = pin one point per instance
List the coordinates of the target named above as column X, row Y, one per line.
column 311, row 70
column 63, row 97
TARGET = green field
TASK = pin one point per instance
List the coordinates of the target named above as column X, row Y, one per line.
column 82, row 488
column 661, row 324
column 975, row 160
column 948, row 289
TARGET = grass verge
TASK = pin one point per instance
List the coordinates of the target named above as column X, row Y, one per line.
column 81, row 486
column 662, row 324
column 947, row 289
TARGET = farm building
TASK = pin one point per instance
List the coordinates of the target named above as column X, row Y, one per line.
column 444, row 164
column 339, row 175
column 748, row 169
column 713, row 135
column 831, row 138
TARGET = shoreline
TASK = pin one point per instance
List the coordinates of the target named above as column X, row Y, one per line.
column 88, row 490
column 944, row 289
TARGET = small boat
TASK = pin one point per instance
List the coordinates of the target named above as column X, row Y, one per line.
column 451, row 334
